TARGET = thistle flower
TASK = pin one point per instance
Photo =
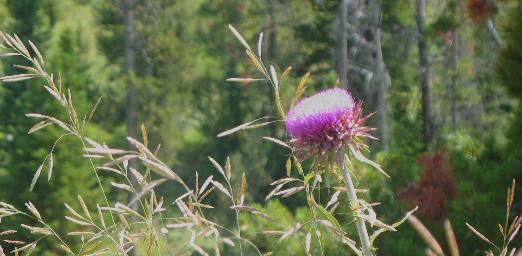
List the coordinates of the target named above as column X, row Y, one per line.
column 325, row 122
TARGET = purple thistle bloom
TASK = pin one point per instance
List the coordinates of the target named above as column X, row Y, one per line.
column 326, row 122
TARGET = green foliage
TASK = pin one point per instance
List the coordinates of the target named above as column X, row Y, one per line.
column 322, row 242
column 72, row 51
column 184, row 53
column 510, row 58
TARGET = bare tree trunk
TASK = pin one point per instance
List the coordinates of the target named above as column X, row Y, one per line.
column 343, row 44
column 426, row 86
column 454, row 77
column 130, row 59
column 380, row 72
column 494, row 33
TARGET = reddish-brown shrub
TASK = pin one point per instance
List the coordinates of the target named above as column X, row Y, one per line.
column 434, row 188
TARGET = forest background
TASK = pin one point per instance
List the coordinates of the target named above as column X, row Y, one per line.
column 445, row 88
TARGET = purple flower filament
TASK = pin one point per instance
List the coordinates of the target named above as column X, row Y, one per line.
column 325, row 122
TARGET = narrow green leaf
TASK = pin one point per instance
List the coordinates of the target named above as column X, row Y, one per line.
column 308, row 177
column 297, row 165
column 329, row 216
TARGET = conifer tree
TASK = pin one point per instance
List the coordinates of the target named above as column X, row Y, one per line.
column 67, row 48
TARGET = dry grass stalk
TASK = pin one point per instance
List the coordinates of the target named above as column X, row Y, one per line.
column 451, row 239
column 426, row 235
column 122, row 235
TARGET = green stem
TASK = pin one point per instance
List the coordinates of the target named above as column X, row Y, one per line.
column 354, row 204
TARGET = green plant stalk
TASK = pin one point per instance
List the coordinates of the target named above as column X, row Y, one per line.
column 354, row 204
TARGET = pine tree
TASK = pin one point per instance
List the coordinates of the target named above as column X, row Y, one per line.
column 67, row 49
column 509, row 64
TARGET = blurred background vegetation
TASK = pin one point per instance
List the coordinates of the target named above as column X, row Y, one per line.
column 163, row 63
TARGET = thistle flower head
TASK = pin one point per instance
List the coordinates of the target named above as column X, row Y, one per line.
column 326, row 122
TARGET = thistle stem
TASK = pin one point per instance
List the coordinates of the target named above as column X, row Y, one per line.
column 354, row 204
